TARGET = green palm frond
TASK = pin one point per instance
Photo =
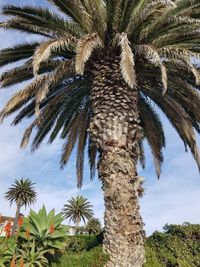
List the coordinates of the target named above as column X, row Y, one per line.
column 179, row 118
column 43, row 18
column 153, row 131
column 17, row 52
column 92, row 154
column 25, row 72
column 76, row 11
column 22, row 25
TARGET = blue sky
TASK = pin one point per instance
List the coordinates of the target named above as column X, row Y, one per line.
column 174, row 198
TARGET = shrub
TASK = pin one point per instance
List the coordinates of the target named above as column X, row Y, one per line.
column 178, row 246
column 82, row 243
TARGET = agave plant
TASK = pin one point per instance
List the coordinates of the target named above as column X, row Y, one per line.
column 97, row 74
column 33, row 256
column 45, row 228
column 7, row 249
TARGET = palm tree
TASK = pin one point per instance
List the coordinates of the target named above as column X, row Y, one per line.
column 22, row 193
column 77, row 209
column 98, row 74
column 93, row 226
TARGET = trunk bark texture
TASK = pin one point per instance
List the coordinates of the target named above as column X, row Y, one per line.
column 77, row 223
column 115, row 130
column 14, row 227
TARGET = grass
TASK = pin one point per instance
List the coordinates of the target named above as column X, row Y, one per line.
column 92, row 258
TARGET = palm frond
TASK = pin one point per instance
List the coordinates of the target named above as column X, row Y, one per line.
column 25, row 72
column 81, row 143
column 22, row 97
column 65, row 70
column 17, row 52
column 27, row 134
column 178, row 118
column 153, row 56
column 85, row 47
column 141, row 154
column 92, row 153
column 42, row 17
column 127, row 64
column 76, row 11
column 143, row 10
column 74, row 95
column 23, row 25
column 45, row 50
column 153, row 131
column 97, row 11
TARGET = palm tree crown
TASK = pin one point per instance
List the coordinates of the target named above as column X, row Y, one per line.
column 77, row 209
column 21, row 192
column 93, row 226
column 156, row 44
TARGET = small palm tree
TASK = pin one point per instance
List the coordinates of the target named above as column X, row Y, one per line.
column 23, row 194
column 77, row 209
column 93, row 226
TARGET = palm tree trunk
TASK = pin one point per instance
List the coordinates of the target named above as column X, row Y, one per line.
column 124, row 235
column 77, row 223
column 14, row 227
column 115, row 130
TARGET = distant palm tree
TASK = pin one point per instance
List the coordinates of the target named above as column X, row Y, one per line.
column 97, row 78
column 23, row 194
column 93, row 226
column 78, row 208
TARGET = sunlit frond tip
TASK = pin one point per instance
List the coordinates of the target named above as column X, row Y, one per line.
column 85, row 47
column 127, row 63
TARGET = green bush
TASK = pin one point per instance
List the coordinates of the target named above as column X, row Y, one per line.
column 178, row 246
column 151, row 258
column 93, row 258
column 82, row 243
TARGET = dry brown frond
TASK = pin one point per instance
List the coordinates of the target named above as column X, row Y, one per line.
column 127, row 64
column 27, row 134
column 64, row 70
column 84, row 49
column 44, row 51
column 22, row 97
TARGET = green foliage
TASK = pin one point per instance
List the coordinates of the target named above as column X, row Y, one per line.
column 82, row 243
column 93, row 226
column 177, row 246
column 7, row 249
column 151, row 258
column 45, row 228
column 93, row 258
column 32, row 255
